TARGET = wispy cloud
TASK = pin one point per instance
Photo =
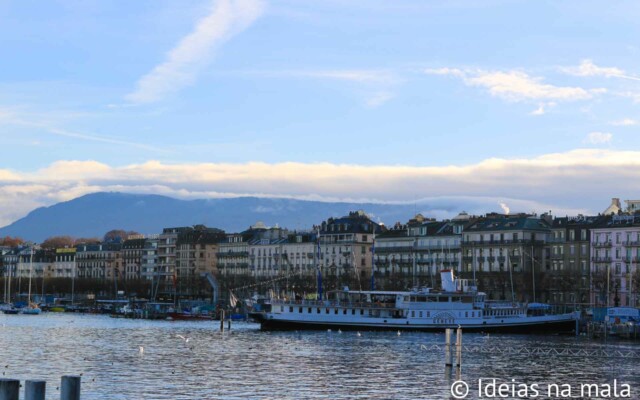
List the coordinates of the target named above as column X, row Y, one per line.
column 539, row 180
column 587, row 69
column 378, row 85
column 625, row 122
column 367, row 76
column 598, row 138
column 184, row 62
column 515, row 85
column 32, row 121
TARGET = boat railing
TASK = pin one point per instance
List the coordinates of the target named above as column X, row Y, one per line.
column 329, row 303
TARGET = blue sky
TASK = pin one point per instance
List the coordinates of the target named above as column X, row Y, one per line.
column 136, row 96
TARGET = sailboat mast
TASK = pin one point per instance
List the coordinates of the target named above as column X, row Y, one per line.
column 30, row 271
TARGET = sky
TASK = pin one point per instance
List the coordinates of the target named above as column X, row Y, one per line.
column 534, row 105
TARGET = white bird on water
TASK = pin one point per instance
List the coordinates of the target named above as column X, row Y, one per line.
column 339, row 330
column 141, row 350
column 186, row 339
column 399, row 333
column 359, row 334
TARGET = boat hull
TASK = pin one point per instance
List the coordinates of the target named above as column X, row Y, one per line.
column 189, row 317
column 553, row 326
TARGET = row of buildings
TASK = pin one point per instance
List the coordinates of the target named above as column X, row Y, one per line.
column 525, row 257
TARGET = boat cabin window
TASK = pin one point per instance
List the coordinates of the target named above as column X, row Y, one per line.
column 344, row 311
column 309, row 310
column 299, row 309
column 361, row 311
column 335, row 311
column 318, row 311
column 327, row 311
column 353, row 311
column 290, row 309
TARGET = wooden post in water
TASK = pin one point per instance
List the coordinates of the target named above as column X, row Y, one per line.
column 229, row 323
column 221, row 320
column 447, row 354
column 9, row 389
column 458, row 352
column 70, row 387
column 34, row 390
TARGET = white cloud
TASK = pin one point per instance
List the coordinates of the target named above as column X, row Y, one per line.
column 444, row 71
column 379, row 98
column 597, row 138
column 542, row 108
column 538, row 183
column 625, row 122
column 515, row 85
column 182, row 63
column 587, row 69
column 518, row 86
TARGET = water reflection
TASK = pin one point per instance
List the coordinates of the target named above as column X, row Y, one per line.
column 248, row 364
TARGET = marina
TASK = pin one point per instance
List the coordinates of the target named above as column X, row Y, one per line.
column 245, row 362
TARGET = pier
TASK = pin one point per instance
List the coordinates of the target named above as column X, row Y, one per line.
column 36, row 389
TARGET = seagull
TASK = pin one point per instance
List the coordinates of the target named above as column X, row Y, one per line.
column 328, row 330
column 399, row 333
column 423, row 347
column 359, row 334
column 141, row 350
column 186, row 339
column 339, row 330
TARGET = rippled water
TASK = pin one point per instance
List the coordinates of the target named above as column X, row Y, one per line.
column 246, row 363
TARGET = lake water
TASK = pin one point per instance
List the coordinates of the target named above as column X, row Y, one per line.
column 246, row 363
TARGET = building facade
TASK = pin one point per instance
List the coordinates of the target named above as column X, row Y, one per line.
column 506, row 254
column 615, row 252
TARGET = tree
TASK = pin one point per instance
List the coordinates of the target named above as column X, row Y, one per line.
column 11, row 241
column 58, row 242
column 118, row 235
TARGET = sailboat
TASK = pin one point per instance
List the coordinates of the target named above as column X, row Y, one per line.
column 32, row 308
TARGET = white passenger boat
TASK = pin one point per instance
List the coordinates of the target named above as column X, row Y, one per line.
column 458, row 304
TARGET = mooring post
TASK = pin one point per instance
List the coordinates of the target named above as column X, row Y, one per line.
column 221, row 320
column 229, row 323
column 70, row 387
column 447, row 348
column 577, row 327
column 34, row 390
column 458, row 352
column 9, row 389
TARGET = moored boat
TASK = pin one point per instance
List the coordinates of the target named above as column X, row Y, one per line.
column 457, row 304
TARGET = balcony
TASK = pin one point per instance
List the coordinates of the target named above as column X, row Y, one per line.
column 630, row 260
column 632, row 243
column 601, row 244
column 601, row 259
column 557, row 256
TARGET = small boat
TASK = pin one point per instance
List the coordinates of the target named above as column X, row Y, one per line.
column 11, row 310
column 56, row 309
column 33, row 309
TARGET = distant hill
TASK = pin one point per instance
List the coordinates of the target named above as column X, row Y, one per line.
column 95, row 214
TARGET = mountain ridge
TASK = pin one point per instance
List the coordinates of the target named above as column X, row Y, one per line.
column 96, row 213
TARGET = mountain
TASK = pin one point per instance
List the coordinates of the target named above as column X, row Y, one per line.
column 95, row 214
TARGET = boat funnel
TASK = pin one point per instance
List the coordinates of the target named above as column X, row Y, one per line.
column 448, row 281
